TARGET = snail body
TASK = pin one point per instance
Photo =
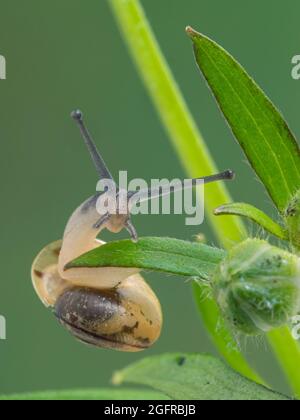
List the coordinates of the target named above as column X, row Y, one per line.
column 80, row 237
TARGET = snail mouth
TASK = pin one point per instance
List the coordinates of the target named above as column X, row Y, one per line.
column 95, row 340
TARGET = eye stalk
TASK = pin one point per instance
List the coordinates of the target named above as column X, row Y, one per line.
column 151, row 194
column 116, row 222
column 99, row 163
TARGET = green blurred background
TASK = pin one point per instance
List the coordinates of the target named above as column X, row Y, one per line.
column 67, row 54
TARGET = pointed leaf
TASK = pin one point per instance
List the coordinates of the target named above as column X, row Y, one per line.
column 254, row 214
column 193, row 377
column 157, row 254
column 260, row 129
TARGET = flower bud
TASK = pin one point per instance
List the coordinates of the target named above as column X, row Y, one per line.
column 257, row 287
column 292, row 218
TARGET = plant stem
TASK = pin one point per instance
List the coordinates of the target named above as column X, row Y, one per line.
column 195, row 157
column 287, row 351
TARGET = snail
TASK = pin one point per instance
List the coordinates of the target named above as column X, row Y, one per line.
column 257, row 287
column 109, row 307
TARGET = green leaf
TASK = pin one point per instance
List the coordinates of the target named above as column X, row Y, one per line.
column 254, row 214
column 260, row 129
column 193, row 377
column 157, row 254
column 88, row 395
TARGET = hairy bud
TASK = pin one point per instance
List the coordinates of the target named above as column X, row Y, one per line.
column 257, row 287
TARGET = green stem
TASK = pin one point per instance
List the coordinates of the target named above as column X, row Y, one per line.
column 195, row 157
column 287, row 351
